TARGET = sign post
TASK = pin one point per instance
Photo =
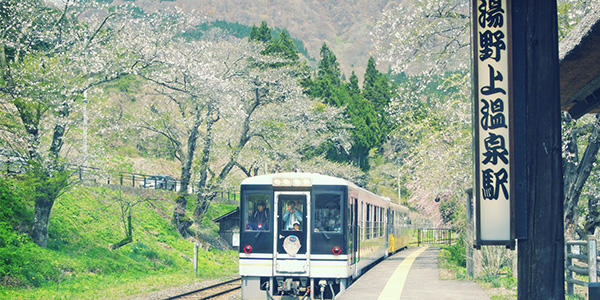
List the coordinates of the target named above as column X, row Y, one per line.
column 524, row 92
column 493, row 123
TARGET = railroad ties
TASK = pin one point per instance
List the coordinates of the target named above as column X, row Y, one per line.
column 211, row 292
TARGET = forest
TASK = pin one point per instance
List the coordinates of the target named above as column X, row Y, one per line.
column 115, row 87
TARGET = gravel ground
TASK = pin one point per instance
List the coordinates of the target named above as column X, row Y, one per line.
column 184, row 288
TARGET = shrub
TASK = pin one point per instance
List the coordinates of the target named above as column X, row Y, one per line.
column 24, row 264
column 455, row 254
column 13, row 208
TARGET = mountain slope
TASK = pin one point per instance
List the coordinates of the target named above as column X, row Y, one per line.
column 343, row 25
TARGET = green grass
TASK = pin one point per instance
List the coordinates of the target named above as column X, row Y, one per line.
column 78, row 262
column 452, row 262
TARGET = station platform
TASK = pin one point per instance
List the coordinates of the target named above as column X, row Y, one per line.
column 411, row 274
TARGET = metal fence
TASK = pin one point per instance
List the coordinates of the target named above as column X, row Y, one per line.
column 11, row 164
column 138, row 180
column 433, row 236
column 159, row 182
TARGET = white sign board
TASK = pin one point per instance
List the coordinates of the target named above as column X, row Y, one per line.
column 492, row 67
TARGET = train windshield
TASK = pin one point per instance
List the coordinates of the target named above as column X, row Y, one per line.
column 293, row 212
column 327, row 212
column 257, row 214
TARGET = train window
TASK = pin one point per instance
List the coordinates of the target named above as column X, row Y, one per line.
column 293, row 214
column 382, row 222
column 392, row 222
column 362, row 221
column 258, row 213
column 375, row 229
column 368, row 222
column 327, row 213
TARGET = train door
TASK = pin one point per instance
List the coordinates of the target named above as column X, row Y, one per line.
column 292, row 242
column 354, row 236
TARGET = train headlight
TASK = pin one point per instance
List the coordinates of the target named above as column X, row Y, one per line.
column 297, row 182
column 336, row 250
column 247, row 249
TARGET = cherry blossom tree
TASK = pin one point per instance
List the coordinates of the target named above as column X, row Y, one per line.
column 428, row 42
column 49, row 58
column 583, row 133
column 224, row 106
column 424, row 36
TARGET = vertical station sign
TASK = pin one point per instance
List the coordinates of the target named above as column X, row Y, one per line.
column 492, row 122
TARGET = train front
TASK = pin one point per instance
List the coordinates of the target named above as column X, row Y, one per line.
column 292, row 237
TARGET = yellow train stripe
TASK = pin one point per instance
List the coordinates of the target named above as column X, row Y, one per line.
column 395, row 285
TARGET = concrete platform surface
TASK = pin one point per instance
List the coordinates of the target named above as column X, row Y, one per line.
column 410, row 275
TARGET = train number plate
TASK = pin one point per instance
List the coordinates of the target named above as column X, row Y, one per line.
column 291, row 266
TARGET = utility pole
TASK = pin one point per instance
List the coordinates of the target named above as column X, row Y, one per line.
column 541, row 252
column 85, row 128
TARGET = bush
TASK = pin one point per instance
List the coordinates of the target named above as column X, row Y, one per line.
column 13, row 207
column 17, row 268
column 496, row 260
column 455, row 254
column 24, row 264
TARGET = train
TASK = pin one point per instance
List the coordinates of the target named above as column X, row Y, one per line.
column 309, row 236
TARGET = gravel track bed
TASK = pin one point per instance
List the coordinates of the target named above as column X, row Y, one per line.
column 188, row 287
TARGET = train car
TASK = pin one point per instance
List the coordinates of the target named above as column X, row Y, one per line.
column 310, row 235
column 398, row 227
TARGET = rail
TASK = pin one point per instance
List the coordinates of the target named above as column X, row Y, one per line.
column 582, row 259
column 212, row 291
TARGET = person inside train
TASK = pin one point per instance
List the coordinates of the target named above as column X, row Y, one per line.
column 261, row 217
column 291, row 215
column 296, row 226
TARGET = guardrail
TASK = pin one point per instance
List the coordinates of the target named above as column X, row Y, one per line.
column 582, row 259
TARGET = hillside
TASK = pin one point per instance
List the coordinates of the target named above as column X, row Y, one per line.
column 343, row 25
column 79, row 262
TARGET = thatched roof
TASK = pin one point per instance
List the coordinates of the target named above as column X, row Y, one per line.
column 579, row 55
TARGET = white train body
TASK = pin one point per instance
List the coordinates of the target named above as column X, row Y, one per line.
column 313, row 235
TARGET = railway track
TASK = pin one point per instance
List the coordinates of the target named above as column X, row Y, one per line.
column 211, row 292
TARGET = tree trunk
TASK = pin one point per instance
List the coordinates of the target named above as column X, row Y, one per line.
column 592, row 220
column 181, row 222
column 50, row 184
column 570, row 162
column 204, row 201
column 122, row 243
column 578, row 179
column 206, row 192
column 41, row 219
column 2, row 64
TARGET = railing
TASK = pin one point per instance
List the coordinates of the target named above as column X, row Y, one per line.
column 582, row 259
column 129, row 179
column 11, row 164
column 430, row 236
column 97, row 175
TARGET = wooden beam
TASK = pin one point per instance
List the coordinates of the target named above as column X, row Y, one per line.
column 581, row 108
column 541, row 252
